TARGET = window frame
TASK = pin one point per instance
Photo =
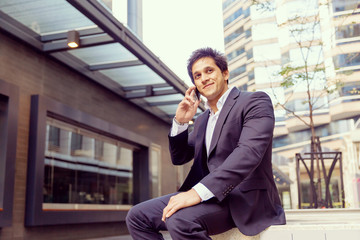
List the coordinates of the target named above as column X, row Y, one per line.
column 43, row 107
column 8, row 136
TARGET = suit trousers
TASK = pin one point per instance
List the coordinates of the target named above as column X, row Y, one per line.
column 195, row 222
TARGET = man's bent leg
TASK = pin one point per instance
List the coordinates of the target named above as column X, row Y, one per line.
column 144, row 219
column 200, row 221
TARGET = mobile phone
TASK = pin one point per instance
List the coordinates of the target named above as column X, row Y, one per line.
column 197, row 95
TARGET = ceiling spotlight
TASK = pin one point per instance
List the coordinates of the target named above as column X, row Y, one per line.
column 73, row 39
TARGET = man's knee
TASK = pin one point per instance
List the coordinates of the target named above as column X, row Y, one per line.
column 133, row 215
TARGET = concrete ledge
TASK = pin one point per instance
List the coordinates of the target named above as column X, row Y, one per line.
column 298, row 232
column 282, row 232
column 305, row 224
column 234, row 234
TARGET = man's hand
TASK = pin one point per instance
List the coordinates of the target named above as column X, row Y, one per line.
column 187, row 107
column 179, row 201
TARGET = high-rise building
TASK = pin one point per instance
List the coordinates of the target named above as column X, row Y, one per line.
column 264, row 40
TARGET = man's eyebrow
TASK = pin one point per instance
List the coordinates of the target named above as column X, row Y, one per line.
column 195, row 72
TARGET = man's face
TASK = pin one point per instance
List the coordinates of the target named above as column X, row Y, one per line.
column 209, row 79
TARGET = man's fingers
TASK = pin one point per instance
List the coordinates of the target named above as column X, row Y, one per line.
column 168, row 211
column 188, row 91
column 171, row 212
column 165, row 211
column 197, row 103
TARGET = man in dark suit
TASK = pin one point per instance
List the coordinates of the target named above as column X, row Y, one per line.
column 231, row 181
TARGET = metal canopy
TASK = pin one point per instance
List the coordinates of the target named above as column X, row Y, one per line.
column 109, row 53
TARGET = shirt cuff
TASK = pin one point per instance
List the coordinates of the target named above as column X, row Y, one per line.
column 177, row 128
column 204, row 193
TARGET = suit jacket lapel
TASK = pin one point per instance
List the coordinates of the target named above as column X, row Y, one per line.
column 229, row 103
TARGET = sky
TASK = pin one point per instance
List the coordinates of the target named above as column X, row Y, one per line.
column 173, row 29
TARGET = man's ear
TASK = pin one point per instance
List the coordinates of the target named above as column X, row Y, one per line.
column 226, row 75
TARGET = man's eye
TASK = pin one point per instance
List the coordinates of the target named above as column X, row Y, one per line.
column 210, row 71
column 197, row 76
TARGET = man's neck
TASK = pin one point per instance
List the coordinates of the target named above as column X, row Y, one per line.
column 213, row 105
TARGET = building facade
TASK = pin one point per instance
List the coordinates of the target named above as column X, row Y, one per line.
column 282, row 47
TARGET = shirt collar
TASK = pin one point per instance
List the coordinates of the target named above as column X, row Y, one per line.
column 220, row 102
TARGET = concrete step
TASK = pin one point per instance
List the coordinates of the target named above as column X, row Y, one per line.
column 305, row 224
column 298, row 232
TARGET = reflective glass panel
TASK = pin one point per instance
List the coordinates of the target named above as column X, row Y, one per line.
column 133, row 76
column 82, row 167
column 172, row 97
column 44, row 16
column 103, row 54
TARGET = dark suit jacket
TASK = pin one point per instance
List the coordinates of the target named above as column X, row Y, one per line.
column 239, row 163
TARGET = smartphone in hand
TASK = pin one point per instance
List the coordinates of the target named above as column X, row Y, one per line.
column 197, row 95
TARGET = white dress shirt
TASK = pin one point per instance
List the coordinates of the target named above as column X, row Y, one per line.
column 204, row 192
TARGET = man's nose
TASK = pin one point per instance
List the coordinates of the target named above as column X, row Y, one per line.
column 204, row 77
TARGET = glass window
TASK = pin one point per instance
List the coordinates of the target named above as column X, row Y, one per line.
column 334, row 127
column 347, row 60
column 227, row 3
column 234, row 35
column 83, row 167
column 237, row 14
column 155, row 169
column 235, row 53
column 350, row 89
column 341, row 5
column 233, row 17
column 243, row 87
column 279, row 115
column 249, row 54
column 248, row 33
column 251, row 75
column 299, row 105
column 237, row 71
column 35, row 14
column 348, row 31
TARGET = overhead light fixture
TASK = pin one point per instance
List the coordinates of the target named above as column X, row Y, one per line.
column 73, row 39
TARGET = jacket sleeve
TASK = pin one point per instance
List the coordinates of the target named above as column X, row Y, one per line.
column 181, row 148
column 254, row 140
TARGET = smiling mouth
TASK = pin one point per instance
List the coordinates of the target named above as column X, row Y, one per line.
column 206, row 86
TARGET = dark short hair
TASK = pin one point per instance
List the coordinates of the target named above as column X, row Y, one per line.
column 219, row 58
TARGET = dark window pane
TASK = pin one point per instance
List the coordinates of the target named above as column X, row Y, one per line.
column 89, row 169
